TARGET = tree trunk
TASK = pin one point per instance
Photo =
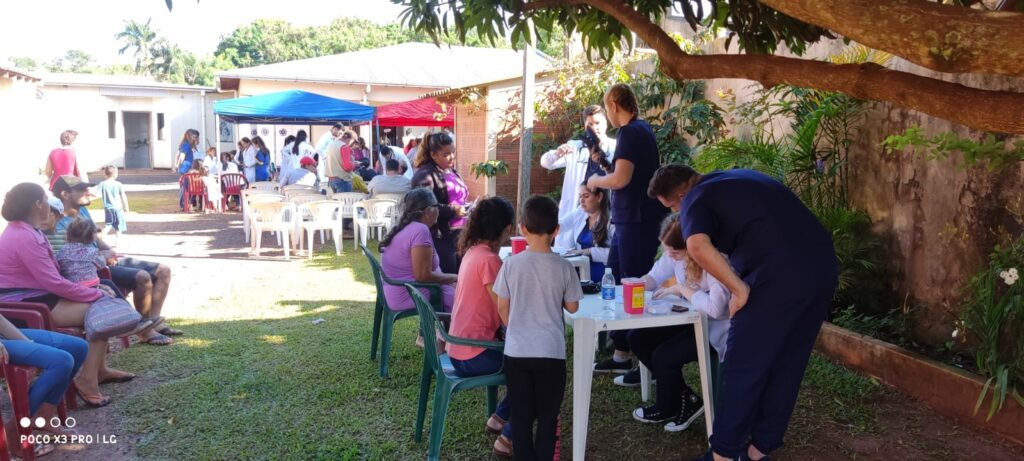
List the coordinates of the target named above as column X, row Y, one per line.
column 996, row 111
column 945, row 38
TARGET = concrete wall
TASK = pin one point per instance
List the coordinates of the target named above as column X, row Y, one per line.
column 20, row 112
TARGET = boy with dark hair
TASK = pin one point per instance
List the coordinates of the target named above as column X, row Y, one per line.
column 532, row 288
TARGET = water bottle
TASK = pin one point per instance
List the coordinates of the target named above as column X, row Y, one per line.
column 608, row 290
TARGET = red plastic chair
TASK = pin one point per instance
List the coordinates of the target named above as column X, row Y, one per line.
column 194, row 188
column 232, row 184
column 35, row 316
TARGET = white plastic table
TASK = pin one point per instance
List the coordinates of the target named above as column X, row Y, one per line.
column 581, row 263
column 591, row 319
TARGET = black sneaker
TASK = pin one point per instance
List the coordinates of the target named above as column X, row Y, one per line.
column 693, row 407
column 611, row 366
column 651, row 414
column 631, row 379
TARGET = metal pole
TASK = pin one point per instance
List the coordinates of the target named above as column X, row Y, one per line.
column 526, row 141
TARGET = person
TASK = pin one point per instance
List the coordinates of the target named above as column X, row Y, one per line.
column 305, row 175
column 359, row 150
column 62, row 160
column 532, row 287
column 115, row 203
column 149, row 281
column 227, row 162
column 364, row 171
column 475, row 314
column 589, row 225
column 389, row 183
column 435, row 170
column 781, row 273
column 79, row 259
column 635, row 215
column 412, row 145
column 248, row 159
column 285, row 164
column 300, row 149
column 386, row 153
column 28, row 273
column 262, row 159
column 328, row 137
column 407, row 253
column 214, row 195
column 574, row 156
column 187, row 150
column 213, row 164
column 448, row 131
column 337, row 154
column 664, row 350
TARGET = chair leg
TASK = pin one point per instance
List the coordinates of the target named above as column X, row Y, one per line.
column 17, row 387
column 421, row 409
column 378, row 312
column 492, row 400
column 287, row 245
column 71, row 397
column 311, row 237
column 442, row 396
column 385, row 342
column 258, row 238
column 338, row 244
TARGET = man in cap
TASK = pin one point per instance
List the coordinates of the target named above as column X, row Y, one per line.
column 149, row 281
column 305, row 175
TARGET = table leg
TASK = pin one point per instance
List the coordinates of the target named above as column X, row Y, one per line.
column 645, row 382
column 584, row 347
column 704, row 363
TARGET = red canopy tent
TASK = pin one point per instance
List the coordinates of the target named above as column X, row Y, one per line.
column 419, row 112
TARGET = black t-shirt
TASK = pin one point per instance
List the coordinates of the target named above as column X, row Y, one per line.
column 631, row 205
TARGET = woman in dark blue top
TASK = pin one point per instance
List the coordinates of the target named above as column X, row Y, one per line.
column 636, row 216
column 262, row 159
column 782, row 273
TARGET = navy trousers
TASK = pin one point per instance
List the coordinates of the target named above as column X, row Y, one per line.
column 770, row 342
column 631, row 254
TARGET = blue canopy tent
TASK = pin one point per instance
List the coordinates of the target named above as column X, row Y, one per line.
column 293, row 107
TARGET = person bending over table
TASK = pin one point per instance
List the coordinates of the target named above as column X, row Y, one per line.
column 407, row 253
column 435, row 170
column 665, row 350
column 589, row 226
column 782, row 286
column 635, row 215
column 475, row 314
column 29, row 273
column 149, row 281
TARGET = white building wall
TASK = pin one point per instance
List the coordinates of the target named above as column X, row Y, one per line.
column 19, row 112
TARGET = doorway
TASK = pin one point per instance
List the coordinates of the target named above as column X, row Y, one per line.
column 136, row 140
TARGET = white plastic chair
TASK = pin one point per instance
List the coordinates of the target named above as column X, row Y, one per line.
column 376, row 214
column 292, row 188
column 272, row 217
column 399, row 200
column 348, row 199
column 324, row 215
column 248, row 199
column 270, row 186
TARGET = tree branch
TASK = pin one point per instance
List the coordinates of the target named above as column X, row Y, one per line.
column 945, row 38
column 997, row 111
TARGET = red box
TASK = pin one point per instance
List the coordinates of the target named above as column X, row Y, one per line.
column 633, row 295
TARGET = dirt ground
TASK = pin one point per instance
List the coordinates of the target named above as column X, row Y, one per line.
column 204, row 249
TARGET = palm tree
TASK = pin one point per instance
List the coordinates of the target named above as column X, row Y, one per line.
column 140, row 37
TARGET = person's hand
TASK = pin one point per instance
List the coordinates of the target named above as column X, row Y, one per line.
column 739, row 299
column 663, row 292
column 581, row 252
column 106, row 290
column 109, row 256
column 592, row 182
column 563, row 150
column 459, row 210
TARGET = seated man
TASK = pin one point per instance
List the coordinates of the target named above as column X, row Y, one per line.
column 148, row 280
column 391, row 182
column 305, row 175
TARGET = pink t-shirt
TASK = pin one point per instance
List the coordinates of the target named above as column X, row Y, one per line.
column 475, row 315
column 396, row 262
column 64, row 163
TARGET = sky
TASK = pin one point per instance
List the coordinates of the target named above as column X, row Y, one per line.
column 89, row 25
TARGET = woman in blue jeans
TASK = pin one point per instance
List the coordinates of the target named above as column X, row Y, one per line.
column 58, row 358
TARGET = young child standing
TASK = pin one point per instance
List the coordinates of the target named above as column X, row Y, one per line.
column 532, row 288
column 115, row 203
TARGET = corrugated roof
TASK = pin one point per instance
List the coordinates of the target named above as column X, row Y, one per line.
column 409, row 64
column 13, row 72
column 125, row 81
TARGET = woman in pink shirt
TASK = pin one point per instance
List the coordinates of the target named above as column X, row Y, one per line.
column 475, row 315
column 62, row 160
column 29, row 272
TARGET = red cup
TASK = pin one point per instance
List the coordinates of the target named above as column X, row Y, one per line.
column 633, row 295
column 518, row 245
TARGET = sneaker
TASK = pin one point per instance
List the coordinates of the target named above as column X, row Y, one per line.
column 693, row 407
column 611, row 366
column 651, row 415
column 631, row 379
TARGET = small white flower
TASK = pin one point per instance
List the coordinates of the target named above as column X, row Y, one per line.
column 1010, row 280
column 956, row 332
column 1013, row 271
column 1004, row 274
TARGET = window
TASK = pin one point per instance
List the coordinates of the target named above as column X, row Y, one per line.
column 160, row 131
column 112, row 125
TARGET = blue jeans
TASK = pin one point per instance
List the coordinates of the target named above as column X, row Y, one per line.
column 339, row 185
column 58, row 356
column 487, row 362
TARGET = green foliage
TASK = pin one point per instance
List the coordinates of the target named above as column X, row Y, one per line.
column 141, row 38
column 992, row 320
column 23, row 62
column 75, row 61
column 994, row 151
column 861, row 282
column 489, row 169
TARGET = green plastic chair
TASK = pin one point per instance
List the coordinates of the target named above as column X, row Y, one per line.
column 437, row 364
column 384, row 318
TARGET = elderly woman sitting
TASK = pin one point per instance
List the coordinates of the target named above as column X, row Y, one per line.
column 407, row 252
column 29, row 272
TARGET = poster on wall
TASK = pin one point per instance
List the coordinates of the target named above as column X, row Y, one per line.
column 227, row 132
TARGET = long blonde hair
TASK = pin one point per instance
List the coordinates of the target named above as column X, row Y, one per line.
column 672, row 237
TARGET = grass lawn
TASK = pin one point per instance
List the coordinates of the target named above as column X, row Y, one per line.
column 255, row 379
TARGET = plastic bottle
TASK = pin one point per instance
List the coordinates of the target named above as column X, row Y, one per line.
column 608, row 290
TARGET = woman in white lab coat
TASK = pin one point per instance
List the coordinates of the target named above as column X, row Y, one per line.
column 590, row 228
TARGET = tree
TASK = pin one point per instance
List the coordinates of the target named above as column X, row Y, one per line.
column 24, row 62
column 962, row 37
column 75, row 61
column 140, row 37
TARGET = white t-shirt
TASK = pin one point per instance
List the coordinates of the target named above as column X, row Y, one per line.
column 711, row 297
column 397, row 154
column 300, row 176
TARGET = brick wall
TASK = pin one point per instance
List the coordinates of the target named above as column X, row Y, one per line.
column 471, row 145
column 542, row 181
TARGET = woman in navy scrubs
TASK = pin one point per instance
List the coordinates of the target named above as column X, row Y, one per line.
column 637, row 217
column 784, row 279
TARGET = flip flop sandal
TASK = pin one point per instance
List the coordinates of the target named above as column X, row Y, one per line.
column 102, row 402
column 119, row 379
column 41, row 449
column 495, row 425
column 502, row 447
column 168, row 331
column 159, row 340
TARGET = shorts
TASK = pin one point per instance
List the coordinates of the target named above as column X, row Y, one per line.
column 124, row 272
column 49, row 299
column 115, row 219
